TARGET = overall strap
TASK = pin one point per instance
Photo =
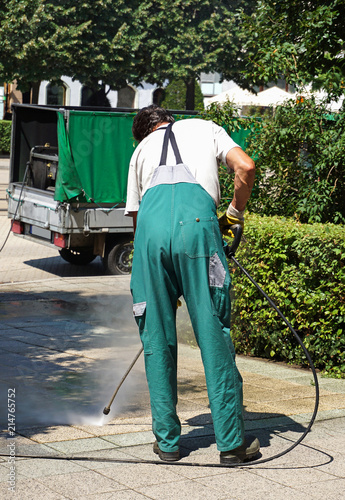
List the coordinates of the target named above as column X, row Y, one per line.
column 170, row 136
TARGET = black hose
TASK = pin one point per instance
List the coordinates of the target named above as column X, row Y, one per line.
column 311, row 364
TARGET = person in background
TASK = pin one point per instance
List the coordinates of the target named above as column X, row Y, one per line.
column 173, row 193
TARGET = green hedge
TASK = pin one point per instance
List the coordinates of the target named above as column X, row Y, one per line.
column 301, row 267
column 5, row 137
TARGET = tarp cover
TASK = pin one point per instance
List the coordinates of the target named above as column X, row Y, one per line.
column 240, row 137
column 94, row 155
column 95, row 149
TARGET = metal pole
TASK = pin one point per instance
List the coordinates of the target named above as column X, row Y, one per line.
column 107, row 408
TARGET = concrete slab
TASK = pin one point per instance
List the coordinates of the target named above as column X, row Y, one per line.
column 28, row 488
column 53, row 434
column 82, row 484
column 73, row 446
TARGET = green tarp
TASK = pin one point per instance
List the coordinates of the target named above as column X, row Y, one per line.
column 95, row 148
column 240, row 137
column 94, row 155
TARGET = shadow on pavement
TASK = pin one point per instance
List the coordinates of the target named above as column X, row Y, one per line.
column 59, row 267
column 193, row 441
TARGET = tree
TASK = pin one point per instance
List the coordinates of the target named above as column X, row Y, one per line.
column 175, row 96
column 109, row 47
column 183, row 38
column 32, row 36
column 115, row 42
column 301, row 40
column 90, row 41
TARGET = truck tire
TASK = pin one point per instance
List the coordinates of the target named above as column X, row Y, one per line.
column 79, row 257
column 117, row 258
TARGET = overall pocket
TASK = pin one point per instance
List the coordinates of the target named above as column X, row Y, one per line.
column 139, row 312
column 219, row 282
column 198, row 237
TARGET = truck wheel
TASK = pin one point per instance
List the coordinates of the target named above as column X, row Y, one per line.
column 117, row 259
column 77, row 257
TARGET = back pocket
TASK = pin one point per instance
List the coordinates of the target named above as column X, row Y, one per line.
column 198, row 236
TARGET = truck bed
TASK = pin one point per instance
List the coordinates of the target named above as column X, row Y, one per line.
column 42, row 215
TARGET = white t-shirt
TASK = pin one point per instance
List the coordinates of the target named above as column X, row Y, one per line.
column 202, row 145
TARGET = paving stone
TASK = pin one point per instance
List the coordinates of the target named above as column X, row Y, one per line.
column 54, row 433
column 80, row 484
column 80, row 445
column 27, row 488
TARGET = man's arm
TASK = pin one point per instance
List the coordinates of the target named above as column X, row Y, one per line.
column 244, row 169
column 134, row 216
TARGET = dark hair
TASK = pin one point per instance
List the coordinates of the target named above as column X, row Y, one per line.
column 147, row 119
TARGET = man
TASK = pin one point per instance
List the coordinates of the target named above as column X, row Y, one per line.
column 173, row 193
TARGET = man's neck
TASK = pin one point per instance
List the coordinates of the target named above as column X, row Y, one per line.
column 159, row 125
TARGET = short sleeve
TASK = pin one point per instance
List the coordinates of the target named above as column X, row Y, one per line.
column 133, row 195
column 223, row 142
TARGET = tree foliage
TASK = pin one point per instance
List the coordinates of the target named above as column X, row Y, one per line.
column 300, row 40
column 119, row 41
column 299, row 156
column 89, row 41
column 300, row 163
column 186, row 37
column 175, row 96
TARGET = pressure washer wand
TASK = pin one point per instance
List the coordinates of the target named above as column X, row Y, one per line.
column 107, row 408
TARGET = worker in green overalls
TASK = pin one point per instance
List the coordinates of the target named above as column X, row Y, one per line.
column 173, row 194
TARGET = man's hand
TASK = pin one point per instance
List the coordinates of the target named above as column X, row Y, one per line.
column 225, row 223
column 230, row 218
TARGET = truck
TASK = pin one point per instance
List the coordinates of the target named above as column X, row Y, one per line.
column 68, row 181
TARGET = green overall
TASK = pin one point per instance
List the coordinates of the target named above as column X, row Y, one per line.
column 179, row 251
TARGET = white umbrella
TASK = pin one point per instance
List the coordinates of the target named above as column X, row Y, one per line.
column 236, row 95
column 272, row 97
column 269, row 97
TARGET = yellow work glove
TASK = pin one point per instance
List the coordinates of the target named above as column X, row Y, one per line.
column 229, row 219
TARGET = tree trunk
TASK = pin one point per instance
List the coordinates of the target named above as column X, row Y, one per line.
column 35, row 88
column 101, row 98
column 26, row 97
column 98, row 97
column 190, row 94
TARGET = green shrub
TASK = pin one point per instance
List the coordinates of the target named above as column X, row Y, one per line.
column 5, row 137
column 301, row 267
column 299, row 156
column 300, row 163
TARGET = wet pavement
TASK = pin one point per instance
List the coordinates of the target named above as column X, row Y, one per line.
column 67, row 336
